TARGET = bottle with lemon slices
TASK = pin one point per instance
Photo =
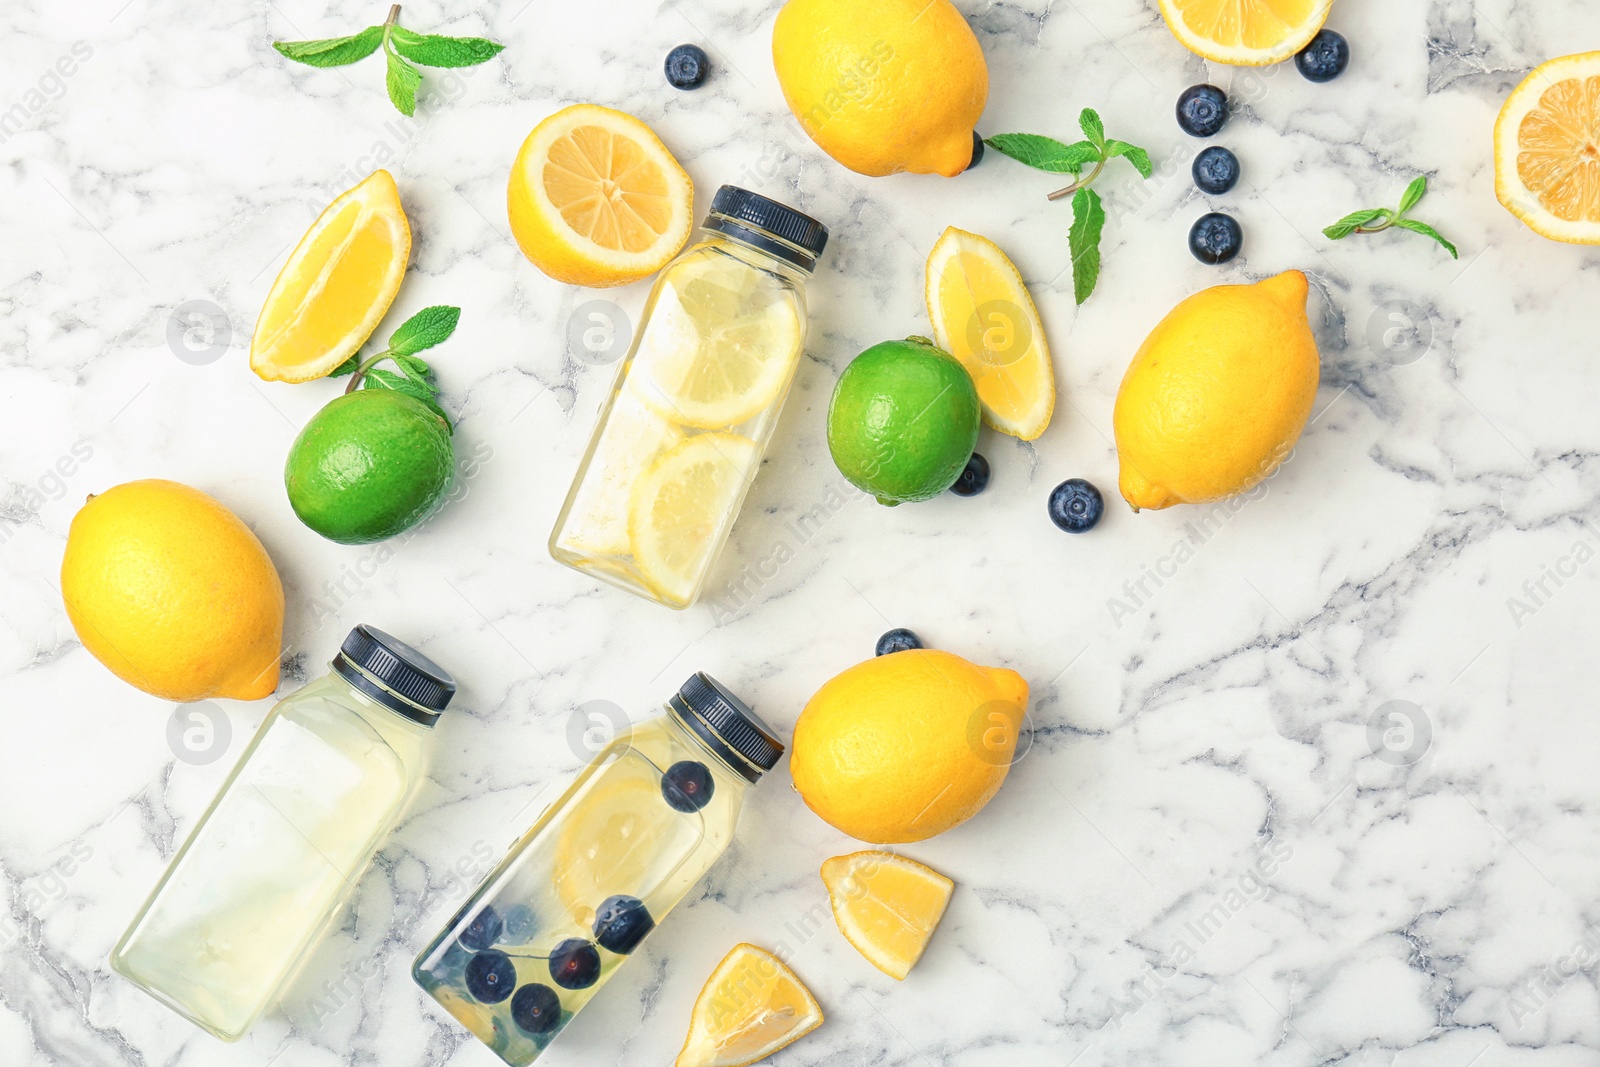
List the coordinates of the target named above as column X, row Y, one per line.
column 694, row 402
column 581, row 890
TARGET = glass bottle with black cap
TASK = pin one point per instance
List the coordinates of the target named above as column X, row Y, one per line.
column 278, row 853
column 602, row 865
column 694, row 402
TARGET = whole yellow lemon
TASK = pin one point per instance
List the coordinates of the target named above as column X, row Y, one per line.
column 907, row 745
column 173, row 593
column 1217, row 396
column 885, row 86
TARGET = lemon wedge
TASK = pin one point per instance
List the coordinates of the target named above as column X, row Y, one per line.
column 750, row 1007
column 337, row 285
column 886, row 906
column 1245, row 33
column 596, row 199
column 721, row 345
column 1547, row 150
column 982, row 314
column 682, row 507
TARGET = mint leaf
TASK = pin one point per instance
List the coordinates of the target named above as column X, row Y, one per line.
column 387, row 379
column 1088, row 220
column 1093, row 128
column 402, row 81
column 347, row 367
column 1045, row 153
column 1135, row 155
column 1428, row 231
column 1413, row 195
column 414, row 368
column 437, row 50
column 334, row 51
column 428, row 327
column 1352, row 222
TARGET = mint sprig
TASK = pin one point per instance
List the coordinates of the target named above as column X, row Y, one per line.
column 399, row 45
column 1088, row 210
column 1378, row 219
column 428, row 327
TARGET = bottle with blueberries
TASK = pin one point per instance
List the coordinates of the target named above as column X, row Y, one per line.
column 579, row 892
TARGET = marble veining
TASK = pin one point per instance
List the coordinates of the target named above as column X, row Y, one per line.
column 1311, row 775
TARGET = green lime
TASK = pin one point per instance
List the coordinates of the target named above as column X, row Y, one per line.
column 369, row 465
column 903, row 421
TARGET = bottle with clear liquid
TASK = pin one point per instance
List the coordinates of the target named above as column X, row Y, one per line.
column 277, row 854
column 694, row 403
column 603, row 864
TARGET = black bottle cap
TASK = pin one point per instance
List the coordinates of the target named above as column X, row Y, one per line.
column 754, row 218
column 394, row 674
column 727, row 724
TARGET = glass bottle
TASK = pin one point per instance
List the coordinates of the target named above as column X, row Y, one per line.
column 694, row 403
column 277, row 854
column 599, row 869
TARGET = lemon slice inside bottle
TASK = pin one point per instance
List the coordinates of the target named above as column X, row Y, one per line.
column 721, row 345
column 682, row 506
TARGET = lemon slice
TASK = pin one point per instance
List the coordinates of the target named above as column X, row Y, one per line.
column 750, row 1007
column 886, row 906
column 337, row 285
column 1547, row 150
column 682, row 507
column 721, row 345
column 1245, row 33
column 616, row 837
column 634, row 437
column 596, row 199
column 982, row 314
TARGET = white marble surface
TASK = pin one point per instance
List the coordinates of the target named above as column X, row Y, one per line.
column 1200, row 861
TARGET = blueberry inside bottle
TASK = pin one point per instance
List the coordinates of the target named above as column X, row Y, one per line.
column 584, row 887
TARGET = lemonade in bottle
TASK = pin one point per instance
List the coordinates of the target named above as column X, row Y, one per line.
column 578, row 892
column 694, row 403
column 276, row 855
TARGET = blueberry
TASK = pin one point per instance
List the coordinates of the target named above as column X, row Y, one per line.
column 898, row 640
column 1215, row 238
column 1202, row 110
column 483, row 930
column 621, row 922
column 687, row 786
column 574, row 964
column 974, row 479
column 519, row 925
column 977, row 150
column 1216, row 170
column 687, row 66
column 536, row 1009
column 1325, row 58
column 491, row 976
column 1076, row 505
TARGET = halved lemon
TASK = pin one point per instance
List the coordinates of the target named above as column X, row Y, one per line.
column 722, row 343
column 682, row 507
column 1245, row 33
column 750, row 1007
column 1547, row 150
column 982, row 314
column 886, row 906
column 337, row 285
column 596, row 199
